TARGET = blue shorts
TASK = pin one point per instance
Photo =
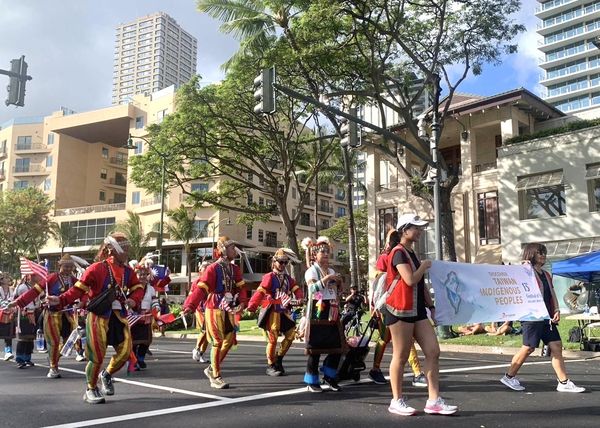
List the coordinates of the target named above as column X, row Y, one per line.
column 534, row 331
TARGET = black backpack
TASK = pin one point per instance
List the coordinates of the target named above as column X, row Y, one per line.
column 575, row 335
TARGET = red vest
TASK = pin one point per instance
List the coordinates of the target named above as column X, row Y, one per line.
column 402, row 301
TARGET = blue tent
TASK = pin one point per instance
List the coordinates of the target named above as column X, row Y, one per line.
column 585, row 267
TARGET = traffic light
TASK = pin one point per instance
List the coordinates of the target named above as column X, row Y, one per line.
column 16, row 86
column 265, row 92
column 349, row 131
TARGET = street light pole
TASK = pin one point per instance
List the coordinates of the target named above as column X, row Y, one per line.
column 163, row 157
column 433, row 142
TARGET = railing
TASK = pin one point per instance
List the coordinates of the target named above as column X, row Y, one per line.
column 326, row 209
column 118, row 161
column 340, row 197
column 339, row 214
column 273, row 243
column 117, row 182
column 89, row 209
column 326, row 189
column 309, row 223
column 150, row 201
column 31, row 146
column 29, row 168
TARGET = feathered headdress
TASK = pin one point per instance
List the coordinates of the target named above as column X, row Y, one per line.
column 311, row 247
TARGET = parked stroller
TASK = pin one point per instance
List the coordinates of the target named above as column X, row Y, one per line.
column 358, row 349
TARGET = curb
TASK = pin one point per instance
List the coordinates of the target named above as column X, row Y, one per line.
column 497, row 350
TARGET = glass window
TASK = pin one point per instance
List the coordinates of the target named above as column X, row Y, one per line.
column 271, row 239
column 21, row 184
column 50, row 138
column 249, row 232
column 93, row 231
column 135, row 198
column 24, row 142
column 104, row 152
column 103, row 173
column 47, row 184
column 119, row 198
column 48, row 161
column 22, row 165
column 200, row 187
column 201, row 228
column 488, row 218
column 388, row 217
column 261, row 235
column 542, row 196
column 592, row 177
column 102, row 195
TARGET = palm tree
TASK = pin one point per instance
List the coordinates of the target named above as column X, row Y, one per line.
column 183, row 229
column 64, row 233
column 138, row 240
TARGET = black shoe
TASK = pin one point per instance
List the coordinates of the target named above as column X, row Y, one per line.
column 29, row 363
column 314, row 388
column 279, row 365
column 272, row 370
column 142, row 364
column 21, row 365
column 333, row 385
column 106, row 383
column 149, row 352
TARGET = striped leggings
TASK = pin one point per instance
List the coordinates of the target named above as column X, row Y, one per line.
column 57, row 325
column 221, row 340
column 274, row 326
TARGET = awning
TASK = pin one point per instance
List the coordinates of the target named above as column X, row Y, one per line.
column 540, row 180
column 489, row 254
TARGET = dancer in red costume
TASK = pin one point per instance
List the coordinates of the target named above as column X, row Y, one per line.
column 222, row 290
column 275, row 293
column 106, row 324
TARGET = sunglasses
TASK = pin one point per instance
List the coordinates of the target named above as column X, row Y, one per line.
column 282, row 261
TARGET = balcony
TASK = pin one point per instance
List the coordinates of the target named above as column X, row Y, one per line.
column 326, row 189
column 117, row 182
column 150, row 201
column 119, row 162
column 325, row 209
column 340, row 196
column 30, row 170
column 32, row 147
column 89, row 209
column 306, row 223
column 2, row 153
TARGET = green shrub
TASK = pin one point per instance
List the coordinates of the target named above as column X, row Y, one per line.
column 569, row 127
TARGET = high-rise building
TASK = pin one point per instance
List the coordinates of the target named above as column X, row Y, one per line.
column 570, row 59
column 151, row 53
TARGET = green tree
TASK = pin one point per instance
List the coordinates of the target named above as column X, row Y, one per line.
column 64, row 234
column 369, row 52
column 339, row 232
column 24, row 225
column 183, row 229
column 133, row 229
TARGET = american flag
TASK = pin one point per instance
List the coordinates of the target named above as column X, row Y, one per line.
column 133, row 318
column 224, row 305
column 285, row 299
column 30, row 268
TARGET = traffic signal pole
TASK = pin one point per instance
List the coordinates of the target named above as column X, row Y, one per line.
column 18, row 79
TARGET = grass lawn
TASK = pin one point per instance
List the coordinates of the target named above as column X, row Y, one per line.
column 249, row 328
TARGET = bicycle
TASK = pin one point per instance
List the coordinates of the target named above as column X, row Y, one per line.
column 353, row 326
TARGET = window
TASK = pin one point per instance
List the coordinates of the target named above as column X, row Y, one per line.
column 250, row 199
column 24, row 143
column 388, row 217
column 138, row 148
column 201, row 228
column 3, row 147
column 453, row 160
column 592, row 176
column 135, row 198
column 102, row 195
column 305, row 219
column 92, row 231
column 261, row 235
column 542, row 196
column 103, row 173
column 249, row 232
column 271, row 239
column 48, row 161
column 325, row 224
column 22, row 165
column 21, row 184
column 120, row 179
column 50, row 138
column 200, row 187
column 119, row 198
column 250, row 177
column 261, row 201
column 160, row 116
column 488, row 218
column 104, row 152
column 47, row 184
column 341, row 212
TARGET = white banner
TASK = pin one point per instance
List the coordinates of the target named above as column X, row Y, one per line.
column 475, row 293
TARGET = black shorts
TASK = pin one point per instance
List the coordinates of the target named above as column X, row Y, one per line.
column 534, row 331
column 389, row 318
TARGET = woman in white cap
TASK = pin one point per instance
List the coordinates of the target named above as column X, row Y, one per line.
column 405, row 314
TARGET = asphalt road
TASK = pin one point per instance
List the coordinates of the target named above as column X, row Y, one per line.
column 173, row 392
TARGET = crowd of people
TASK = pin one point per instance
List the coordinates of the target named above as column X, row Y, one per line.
column 113, row 290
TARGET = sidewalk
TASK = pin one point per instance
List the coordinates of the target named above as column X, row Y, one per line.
column 499, row 350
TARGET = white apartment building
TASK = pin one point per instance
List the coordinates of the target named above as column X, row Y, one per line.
column 151, row 53
column 569, row 58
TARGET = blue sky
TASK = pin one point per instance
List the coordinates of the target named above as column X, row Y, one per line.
column 69, row 45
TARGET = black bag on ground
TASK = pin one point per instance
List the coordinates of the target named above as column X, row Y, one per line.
column 102, row 303
column 575, row 334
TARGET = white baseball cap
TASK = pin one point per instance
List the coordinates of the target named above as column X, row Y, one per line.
column 410, row 218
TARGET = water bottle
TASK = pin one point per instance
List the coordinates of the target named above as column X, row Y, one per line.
column 586, row 309
column 70, row 343
column 40, row 342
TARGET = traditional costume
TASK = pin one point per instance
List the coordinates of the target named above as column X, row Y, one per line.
column 324, row 331
column 110, row 283
column 275, row 295
column 202, row 341
column 222, row 290
column 26, row 318
column 7, row 316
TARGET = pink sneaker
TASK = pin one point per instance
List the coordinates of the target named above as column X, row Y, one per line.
column 439, row 407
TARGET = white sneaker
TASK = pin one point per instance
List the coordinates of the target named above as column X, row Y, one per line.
column 196, row 355
column 53, row 373
column 203, row 359
column 439, row 407
column 8, row 356
column 569, row 387
column 512, row 383
column 80, row 357
column 400, row 407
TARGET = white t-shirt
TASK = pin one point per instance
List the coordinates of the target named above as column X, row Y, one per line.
column 328, row 291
